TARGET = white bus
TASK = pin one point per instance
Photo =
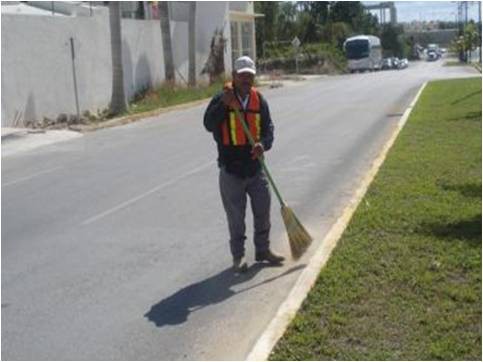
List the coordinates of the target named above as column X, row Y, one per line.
column 363, row 52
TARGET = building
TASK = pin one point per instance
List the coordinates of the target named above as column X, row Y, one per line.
column 45, row 44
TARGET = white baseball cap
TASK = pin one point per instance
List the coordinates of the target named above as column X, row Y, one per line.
column 245, row 64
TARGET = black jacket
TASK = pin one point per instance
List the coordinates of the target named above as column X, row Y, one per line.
column 237, row 160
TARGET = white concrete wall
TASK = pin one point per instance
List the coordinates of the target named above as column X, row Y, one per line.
column 37, row 77
column 243, row 6
column 210, row 15
column 143, row 61
column 36, row 70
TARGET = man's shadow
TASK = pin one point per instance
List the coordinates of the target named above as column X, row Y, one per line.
column 176, row 308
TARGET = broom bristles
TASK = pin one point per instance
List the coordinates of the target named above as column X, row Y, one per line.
column 299, row 239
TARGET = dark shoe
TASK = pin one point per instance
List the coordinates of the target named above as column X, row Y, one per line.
column 240, row 265
column 272, row 258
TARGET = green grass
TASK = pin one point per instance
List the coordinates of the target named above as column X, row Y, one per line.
column 169, row 96
column 404, row 282
column 166, row 96
column 162, row 97
column 455, row 63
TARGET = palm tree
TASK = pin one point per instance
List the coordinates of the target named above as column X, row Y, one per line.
column 166, row 35
column 118, row 98
column 192, row 44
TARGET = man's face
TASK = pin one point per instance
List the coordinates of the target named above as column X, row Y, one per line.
column 243, row 81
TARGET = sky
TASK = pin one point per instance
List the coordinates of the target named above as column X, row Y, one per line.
column 429, row 10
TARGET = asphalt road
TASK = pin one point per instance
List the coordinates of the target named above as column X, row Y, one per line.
column 114, row 245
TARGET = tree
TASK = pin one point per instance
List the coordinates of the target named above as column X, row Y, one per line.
column 166, row 35
column 318, row 10
column 192, row 44
column 471, row 38
column 393, row 42
column 389, row 39
column 306, row 29
column 366, row 23
column 345, row 11
column 448, row 25
column 266, row 26
column 287, row 21
column 312, row 16
column 118, row 97
column 353, row 13
column 336, row 33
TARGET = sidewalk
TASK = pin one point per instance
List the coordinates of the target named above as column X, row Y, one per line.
column 15, row 140
column 20, row 139
column 10, row 132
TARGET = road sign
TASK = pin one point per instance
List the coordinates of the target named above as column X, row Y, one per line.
column 296, row 42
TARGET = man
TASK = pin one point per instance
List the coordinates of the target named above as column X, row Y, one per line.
column 240, row 171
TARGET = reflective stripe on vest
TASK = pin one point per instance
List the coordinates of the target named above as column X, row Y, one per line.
column 231, row 129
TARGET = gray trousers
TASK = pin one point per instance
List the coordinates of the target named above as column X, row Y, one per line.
column 234, row 191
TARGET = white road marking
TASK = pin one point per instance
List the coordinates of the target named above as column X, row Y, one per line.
column 139, row 197
column 26, row 178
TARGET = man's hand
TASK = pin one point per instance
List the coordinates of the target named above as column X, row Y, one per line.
column 229, row 98
column 257, row 151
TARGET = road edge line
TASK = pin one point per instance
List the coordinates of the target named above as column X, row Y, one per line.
column 288, row 309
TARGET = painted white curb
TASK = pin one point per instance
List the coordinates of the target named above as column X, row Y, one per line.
column 287, row 310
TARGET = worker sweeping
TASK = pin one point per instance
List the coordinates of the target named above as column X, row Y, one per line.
column 241, row 175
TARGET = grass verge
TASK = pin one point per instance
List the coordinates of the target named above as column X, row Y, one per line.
column 171, row 96
column 404, row 282
column 455, row 63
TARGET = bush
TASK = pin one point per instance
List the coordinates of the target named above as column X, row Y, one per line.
column 312, row 58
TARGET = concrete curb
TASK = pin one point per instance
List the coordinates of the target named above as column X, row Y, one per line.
column 33, row 139
column 288, row 309
column 120, row 121
column 135, row 117
column 8, row 132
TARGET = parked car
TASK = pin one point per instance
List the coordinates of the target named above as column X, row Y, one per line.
column 431, row 55
column 404, row 63
column 395, row 63
column 435, row 48
column 386, row 64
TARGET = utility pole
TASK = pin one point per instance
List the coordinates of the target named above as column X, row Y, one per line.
column 76, row 93
column 467, row 53
column 460, row 30
column 192, row 44
column 479, row 26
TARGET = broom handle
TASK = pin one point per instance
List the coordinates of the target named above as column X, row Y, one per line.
column 241, row 117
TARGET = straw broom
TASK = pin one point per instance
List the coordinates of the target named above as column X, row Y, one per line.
column 299, row 239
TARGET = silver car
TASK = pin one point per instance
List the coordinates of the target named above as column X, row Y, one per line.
column 403, row 63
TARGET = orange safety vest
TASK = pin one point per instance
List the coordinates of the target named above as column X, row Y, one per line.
column 231, row 129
